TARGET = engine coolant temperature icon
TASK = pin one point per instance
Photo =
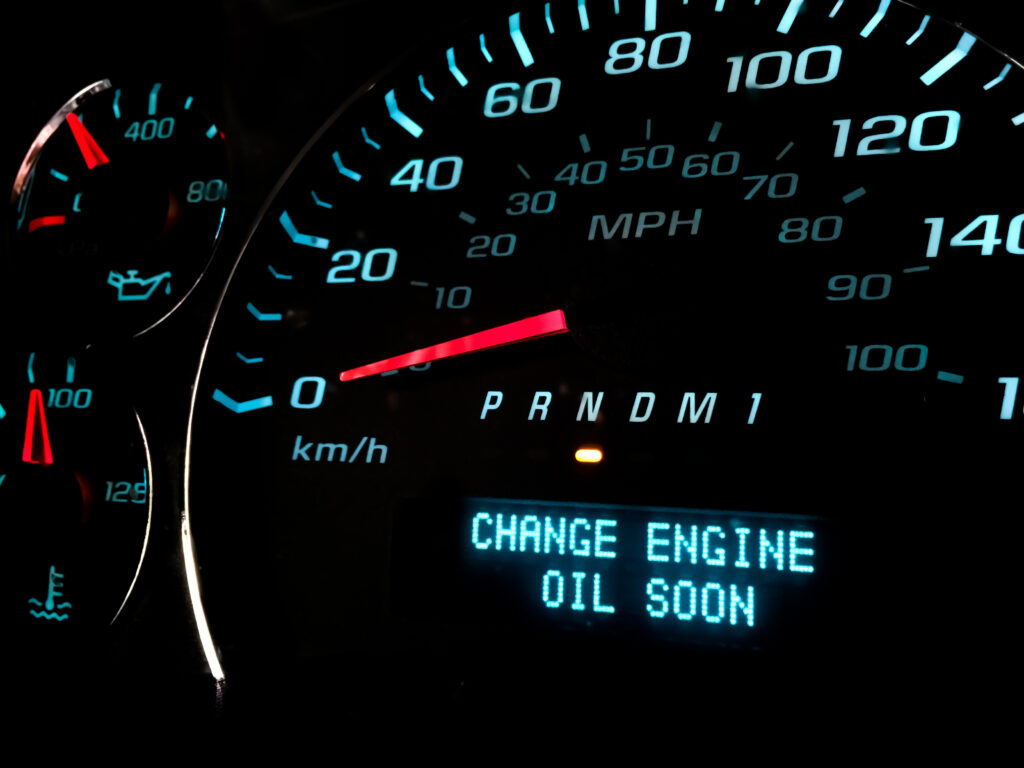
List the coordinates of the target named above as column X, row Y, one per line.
column 50, row 606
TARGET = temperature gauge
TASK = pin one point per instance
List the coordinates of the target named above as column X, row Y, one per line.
column 75, row 489
column 117, row 207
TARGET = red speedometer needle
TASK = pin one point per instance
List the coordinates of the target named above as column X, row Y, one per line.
column 536, row 327
column 86, row 143
column 37, row 436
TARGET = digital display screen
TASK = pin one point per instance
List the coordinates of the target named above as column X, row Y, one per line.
column 656, row 574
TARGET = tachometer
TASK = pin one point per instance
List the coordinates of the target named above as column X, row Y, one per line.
column 639, row 335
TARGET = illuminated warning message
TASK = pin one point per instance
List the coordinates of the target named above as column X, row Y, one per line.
column 667, row 569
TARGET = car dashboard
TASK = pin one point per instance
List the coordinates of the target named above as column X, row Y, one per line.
column 266, row 540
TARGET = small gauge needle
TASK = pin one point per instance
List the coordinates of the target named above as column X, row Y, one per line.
column 37, row 436
column 86, row 143
column 536, row 327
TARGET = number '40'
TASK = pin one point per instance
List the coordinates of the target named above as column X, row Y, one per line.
column 442, row 173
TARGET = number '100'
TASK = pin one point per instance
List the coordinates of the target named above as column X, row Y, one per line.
column 882, row 357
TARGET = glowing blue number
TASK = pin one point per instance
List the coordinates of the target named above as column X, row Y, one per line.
column 539, row 202
column 798, row 230
column 150, row 129
column 988, row 240
column 785, row 59
column 593, row 173
column 319, row 385
column 502, row 99
column 696, row 166
column 355, row 259
column 627, row 55
column 69, row 398
column 411, row 174
column 861, row 359
column 457, row 297
column 890, row 146
column 847, row 284
column 210, row 191
column 636, row 158
column 775, row 183
column 483, row 245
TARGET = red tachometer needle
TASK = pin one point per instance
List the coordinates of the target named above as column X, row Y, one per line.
column 37, row 436
column 536, row 327
column 86, row 143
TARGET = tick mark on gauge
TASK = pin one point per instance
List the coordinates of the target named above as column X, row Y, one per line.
column 400, row 117
column 911, row 270
column 345, row 171
column 58, row 175
column 857, row 194
column 715, row 130
column 519, row 41
column 368, row 140
column 188, row 103
column 998, row 79
column 650, row 15
column 320, row 202
column 153, row 94
column 951, row 59
column 419, row 283
column 1019, row 119
column 920, row 31
column 310, row 241
column 952, row 378
column 483, row 49
column 211, row 131
column 424, row 91
column 872, row 25
column 719, row 6
column 456, row 72
column 647, row 135
column 468, row 218
column 523, row 171
column 69, row 373
column 245, row 405
column 547, row 18
column 248, row 360
column 278, row 275
column 585, row 143
column 789, row 16
column 581, row 7
column 31, row 364
column 835, row 9
column 264, row 317
column 117, row 104
column 782, row 154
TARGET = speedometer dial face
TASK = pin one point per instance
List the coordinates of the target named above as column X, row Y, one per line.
column 628, row 334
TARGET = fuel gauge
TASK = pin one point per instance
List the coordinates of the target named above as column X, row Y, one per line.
column 117, row 208
column 75, row 491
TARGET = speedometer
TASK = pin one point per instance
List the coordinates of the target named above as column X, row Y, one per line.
column 600, row 338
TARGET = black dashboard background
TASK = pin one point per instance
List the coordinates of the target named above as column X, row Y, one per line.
column 270, row 73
